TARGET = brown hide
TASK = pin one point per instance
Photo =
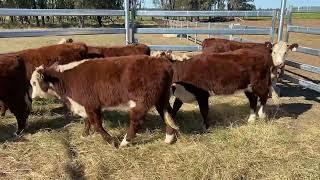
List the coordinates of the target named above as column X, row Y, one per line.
column 48, row 55
column 224, row 73
column 216, row 45
column 32, row 58
column 115, row 51
column 14, row 89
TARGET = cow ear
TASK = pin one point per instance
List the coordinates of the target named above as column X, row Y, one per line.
column 70, row 40
column 169, row 51
column 268, row 44
column 292, row 46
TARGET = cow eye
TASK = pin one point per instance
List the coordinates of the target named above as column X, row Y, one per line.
column 34, row 83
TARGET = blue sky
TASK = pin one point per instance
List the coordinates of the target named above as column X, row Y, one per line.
column 268, row 3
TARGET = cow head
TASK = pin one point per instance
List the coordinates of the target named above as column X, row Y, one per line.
column 279, row 52
column 42, row 84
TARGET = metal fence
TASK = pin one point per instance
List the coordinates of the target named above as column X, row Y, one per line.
column 212, row 31
column 130, row 30
column 311, row 51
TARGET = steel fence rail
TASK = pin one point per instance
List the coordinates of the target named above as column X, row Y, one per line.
column 302, row 82
column 60, row 12
column 60, row 32
column 306, row 9
column 302, row 66
column 306, row 50
column 301, row 29
column 160, row 13
column 262, row 31
column 174, row 48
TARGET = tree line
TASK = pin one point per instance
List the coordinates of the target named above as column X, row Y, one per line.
column 108, row 4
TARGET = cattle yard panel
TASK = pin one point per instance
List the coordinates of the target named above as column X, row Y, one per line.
column 60, row 31
column 305, row 50
column 226, row 31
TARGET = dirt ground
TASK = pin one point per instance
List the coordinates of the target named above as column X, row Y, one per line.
column 285, row 146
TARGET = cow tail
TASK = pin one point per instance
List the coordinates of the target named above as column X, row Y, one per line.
column 169, row 120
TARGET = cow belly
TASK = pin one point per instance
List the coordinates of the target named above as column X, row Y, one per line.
column 80, row 110
column 184, row 95
column 77, row 108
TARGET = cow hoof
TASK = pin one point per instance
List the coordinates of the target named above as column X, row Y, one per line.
column 251, row 119
column 170, row 138
column 124, row 142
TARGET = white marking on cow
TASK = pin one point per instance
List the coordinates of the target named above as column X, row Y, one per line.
column 124, row 142
column 65, row 67
column 77, row 108
column 62, row 41
column 261, row 112
column 279, row 52
column 252, row 116
column 122, row 107
column 169, row 138
column 36, row 91
column 184, row 95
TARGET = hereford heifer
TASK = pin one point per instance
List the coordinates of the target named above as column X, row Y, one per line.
column 207, row 74
column 14, row 89
column 88, row 87
column 216, row 45
column 32, row 58
column 115, row 51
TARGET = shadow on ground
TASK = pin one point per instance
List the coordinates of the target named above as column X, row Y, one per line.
column 189, row 121
column 292, row 90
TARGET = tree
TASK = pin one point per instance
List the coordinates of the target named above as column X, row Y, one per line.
column 241, row 5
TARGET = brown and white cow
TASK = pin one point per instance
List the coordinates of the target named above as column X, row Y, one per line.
column 48, row 55
column 32, row 58
column 14, row 89
column 90, row 86
column 217, row 45
column 115, row 51
column 208, row 73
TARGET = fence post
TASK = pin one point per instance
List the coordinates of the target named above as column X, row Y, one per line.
column 187, row 28
column 230, row 27
column 209, row 27
column 273, row 25
column 133, row 19
column 127, row 20
column 289, row 21
column 282, row 14
column 181, row 26
column 196, row 35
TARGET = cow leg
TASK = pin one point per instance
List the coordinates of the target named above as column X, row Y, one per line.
column 94, row 118
column 203, row 102
column 3, row 108
column 176, row 106
column 86, row 130
column 164, row 109
column 253, row 100
column 137, row 114
column 20, row 107
column 261, row 112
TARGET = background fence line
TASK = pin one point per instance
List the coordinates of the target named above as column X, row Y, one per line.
column 311, row 51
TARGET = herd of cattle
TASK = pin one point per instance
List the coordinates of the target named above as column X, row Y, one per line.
column 90, row 79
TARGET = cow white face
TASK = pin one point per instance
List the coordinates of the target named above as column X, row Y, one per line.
column 279, row 52
column 40, row 88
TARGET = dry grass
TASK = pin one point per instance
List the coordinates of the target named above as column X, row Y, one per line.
column 287, row 146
